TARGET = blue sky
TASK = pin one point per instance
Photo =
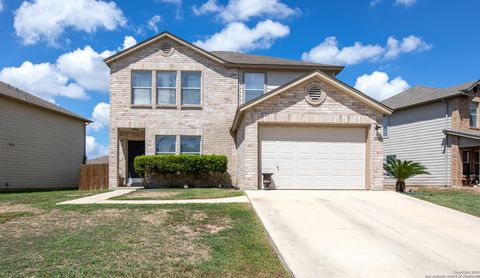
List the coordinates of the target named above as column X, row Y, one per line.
column 54, row 49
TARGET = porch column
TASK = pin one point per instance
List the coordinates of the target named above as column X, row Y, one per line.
column 457, row 167
column 113, row 158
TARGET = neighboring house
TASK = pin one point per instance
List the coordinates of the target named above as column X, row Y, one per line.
column 438, row 128
column 291, row 118
column 98, row 160
column 41, row 144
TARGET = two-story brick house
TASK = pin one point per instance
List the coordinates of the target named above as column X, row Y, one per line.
column 438, row 128
column 266, row 114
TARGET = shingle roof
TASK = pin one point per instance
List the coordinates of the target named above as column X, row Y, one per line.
column 462, row 133
column 227, row 57
column 249, row 59
column 12, row 92
column 422, row 94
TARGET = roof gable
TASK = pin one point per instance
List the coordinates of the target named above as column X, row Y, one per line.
column 228, row 58
column 419, row 95
column 163, row 35
column 354, row 93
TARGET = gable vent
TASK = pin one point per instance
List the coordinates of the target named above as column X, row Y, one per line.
column 314, row 94
column 166, row 49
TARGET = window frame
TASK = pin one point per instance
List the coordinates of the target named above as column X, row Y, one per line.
column 166, row 135
column 245, row 84
column 191, row 88
column 385, row 126
column 200, row 144
column 170, row 88
column 473, row 124
column 132, row 88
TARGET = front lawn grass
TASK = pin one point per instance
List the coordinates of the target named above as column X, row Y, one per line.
column 461, row 200
column 180, row 194
column 194, row 240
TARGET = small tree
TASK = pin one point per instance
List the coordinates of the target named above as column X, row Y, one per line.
column 402, row 170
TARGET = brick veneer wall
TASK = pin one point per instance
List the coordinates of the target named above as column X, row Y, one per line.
column 290, row 107
column 460, row 121
column 212, row 121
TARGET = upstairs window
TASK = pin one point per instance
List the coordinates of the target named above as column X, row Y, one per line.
column 473, row 114
column 386, row 123
column 141, row 87
column 191, row 88
column 166, row 87
column 254, row 85
column 190, row 144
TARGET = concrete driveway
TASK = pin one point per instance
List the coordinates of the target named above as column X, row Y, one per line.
column 367, row 234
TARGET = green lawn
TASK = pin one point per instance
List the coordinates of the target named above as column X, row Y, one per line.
column 180, row 194
column 462, row 200
column 196, row 240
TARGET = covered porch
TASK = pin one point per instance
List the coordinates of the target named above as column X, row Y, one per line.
column 465, row 157
column 131, row 143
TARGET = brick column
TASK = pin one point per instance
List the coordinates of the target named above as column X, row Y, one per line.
column 113, row 158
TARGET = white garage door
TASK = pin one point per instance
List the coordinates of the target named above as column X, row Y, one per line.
column 314, row 158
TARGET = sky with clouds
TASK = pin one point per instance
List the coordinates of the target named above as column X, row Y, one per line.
column 54, row 49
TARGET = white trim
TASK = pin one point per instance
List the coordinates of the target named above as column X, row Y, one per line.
column 328, row 80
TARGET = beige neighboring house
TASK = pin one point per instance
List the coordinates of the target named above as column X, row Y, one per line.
column 41, row 144
column 267, row 115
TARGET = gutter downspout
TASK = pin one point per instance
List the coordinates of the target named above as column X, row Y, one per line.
column 447, row 104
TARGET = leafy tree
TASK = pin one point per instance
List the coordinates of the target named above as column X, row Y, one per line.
column 402, row 170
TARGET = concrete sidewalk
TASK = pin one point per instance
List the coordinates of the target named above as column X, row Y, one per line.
column 103, row 198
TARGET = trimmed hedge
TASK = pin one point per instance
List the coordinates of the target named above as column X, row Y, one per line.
column 164, row 164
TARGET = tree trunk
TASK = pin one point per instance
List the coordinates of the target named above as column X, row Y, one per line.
column 400, row 186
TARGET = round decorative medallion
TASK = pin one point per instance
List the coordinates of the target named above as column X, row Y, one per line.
column 167, row 49
column 314, row 94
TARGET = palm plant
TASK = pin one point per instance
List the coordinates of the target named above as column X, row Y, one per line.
column 402, row 170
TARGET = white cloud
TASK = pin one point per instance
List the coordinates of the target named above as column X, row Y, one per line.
column 408, row 44
column 43, row 80
column 71, row 76
column 86, row 66
column 93, row 148
column 152, row 23
column 406, row 3
column 329, row 52
column 38, row 20
column 1, row 5
column 239, row 37
column 373, row 3
column 100, row 116
column 128, row 41
column 178, row 3
column 242, row 10
column 378, row 85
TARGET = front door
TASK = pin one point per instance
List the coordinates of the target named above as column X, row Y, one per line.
column 135, row 148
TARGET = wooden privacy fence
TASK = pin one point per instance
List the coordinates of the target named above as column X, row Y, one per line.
column 93, row 176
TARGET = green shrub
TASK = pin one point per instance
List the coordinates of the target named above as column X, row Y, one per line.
column 194, row 166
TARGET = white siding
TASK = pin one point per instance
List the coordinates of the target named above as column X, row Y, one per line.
column 416, row 134
column 48, row 147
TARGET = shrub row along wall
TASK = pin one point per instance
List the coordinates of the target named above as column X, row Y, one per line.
column 185, row 169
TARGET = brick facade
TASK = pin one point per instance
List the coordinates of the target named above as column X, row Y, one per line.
column 213, row 119
column 460, row 121
column 291, row 108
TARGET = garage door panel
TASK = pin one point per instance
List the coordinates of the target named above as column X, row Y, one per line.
column 314, row 158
